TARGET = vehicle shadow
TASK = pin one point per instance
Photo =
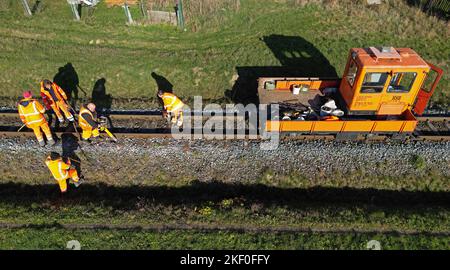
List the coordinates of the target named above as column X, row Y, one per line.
column 298, row 58
column 127, row 197
column 433, row 8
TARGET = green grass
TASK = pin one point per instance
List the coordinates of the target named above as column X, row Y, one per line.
column 113, row 239
column 355, row 200
column 215, row 205
column 203, row 62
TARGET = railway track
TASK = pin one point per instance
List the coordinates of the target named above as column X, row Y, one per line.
column 137, row 124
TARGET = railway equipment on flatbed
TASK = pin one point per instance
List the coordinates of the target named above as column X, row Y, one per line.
column 383, row 90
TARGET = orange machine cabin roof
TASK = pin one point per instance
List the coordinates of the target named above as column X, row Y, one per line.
column 396, row 58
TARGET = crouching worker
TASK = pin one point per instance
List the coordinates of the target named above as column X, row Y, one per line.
column 62, row 171
column 31, row 113
column 87, row 120
column 91, row 124
column 173, row 107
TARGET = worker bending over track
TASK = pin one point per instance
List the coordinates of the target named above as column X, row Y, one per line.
column 173, row 107
column 55, row 98
column 62, row 171
column 87, row 120
column 90, row 124
column 31, row 113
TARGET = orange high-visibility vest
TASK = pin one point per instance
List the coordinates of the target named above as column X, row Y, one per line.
column 32, row 113
column 171, row 102
column 81, row 121
column 58, row 168
column 47, row 97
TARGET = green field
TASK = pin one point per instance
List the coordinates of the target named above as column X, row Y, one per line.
column 261, row 38
column 218, row 215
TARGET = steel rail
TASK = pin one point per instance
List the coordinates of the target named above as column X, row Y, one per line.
column 11, row 131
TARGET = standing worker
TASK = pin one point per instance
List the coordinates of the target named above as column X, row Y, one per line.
column 172, row 106
column 31, row 113
column 55, row 98
column 62, row 171
column 87, row 120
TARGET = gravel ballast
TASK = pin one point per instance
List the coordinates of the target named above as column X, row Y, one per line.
column 413, row 166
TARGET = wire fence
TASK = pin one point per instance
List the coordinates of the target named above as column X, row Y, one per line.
column 196, row 11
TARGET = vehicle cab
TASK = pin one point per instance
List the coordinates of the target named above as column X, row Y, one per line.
column 387, row 81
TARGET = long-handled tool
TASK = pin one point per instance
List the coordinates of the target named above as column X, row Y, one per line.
column 71, row 109
column 73, row 123
column 82, row 90
column 24, row 125
column 76, row 161
column 76, row 130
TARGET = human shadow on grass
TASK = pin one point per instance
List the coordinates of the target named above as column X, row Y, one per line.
column 127, row 197
column 162, row 83
column 298, row 58
column 101, row 100
column 67, row 78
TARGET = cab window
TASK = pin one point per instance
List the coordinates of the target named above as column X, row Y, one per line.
column 374, row 82
column 429, row 80
column 351, row 74
column 401, row 82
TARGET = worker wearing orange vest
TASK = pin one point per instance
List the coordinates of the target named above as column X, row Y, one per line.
column 173, row 106
column 62, row 171
column 55, row 98
column 31, row 113
column 87, row 119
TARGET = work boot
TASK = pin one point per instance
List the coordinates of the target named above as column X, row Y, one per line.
column 51, row 142
column 42, row 143
column 79, row 182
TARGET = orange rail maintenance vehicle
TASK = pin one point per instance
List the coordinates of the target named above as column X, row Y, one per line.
column 380, row 93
